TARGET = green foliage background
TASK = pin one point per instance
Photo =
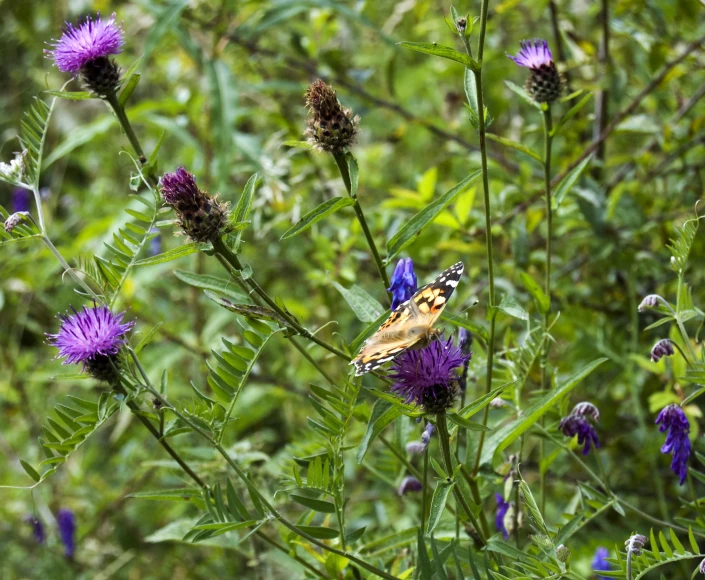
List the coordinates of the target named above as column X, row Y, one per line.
column 224, row 81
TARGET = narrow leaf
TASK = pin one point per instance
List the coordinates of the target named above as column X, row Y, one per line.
column 173, row 254
column 515, row 145
column 438, row 504
column 543, row 303
column 383, row 413
column 318, row 505
column 568, row 181
column 365, row 307
column 442, row 51
column 323, row 210
column 30, row 470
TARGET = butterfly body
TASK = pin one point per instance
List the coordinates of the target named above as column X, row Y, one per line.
column 411, row 325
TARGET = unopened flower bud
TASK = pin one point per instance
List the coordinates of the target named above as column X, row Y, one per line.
column 662, row 348
column 461, row 24
column 586, row 409
column 330, row 127
column 650, row 301
column 15, row 219
column 701, row 568
column 409, row 484
column 16, row 170
column 562, row 553
column 636, row 543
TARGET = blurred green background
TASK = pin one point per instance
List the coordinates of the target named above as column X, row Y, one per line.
column 225, row 81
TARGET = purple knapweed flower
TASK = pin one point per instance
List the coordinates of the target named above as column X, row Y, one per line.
column 600, row 563
column 409, row 484
column 573, row 425
column 87, row 41
column 544, row 82
column 90, row 333
column 673, row 419
column 426, row 377
column 502, row 509
column 661, row 349
column 37, row 529
column 67, row 530
column 179, row 186
column 21, row 200
column 404, row 283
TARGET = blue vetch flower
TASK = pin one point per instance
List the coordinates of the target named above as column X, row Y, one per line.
column 600, row 563
column 404, row 282
column 577, row 423
column 67, row 530
column 21, row 200
column 418, row 447
column 37, row 529
column 673, row 419
column 661, row 349
column 409, row 484
column 86, row 42
column 502, row 509
column 427, row 376
column 155, row 244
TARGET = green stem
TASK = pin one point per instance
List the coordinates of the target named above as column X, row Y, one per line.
column 345, row 174
column 424, row 491
column 476, row 497
column 488, row 388
column 127, row 127
column 444, row 438
column 70, row 270
column 679, row 322
column 222, row 249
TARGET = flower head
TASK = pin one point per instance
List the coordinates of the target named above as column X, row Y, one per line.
column 662, row 348
column 201, row 216
column 573, row 425
column 673, row 419
column 87, row 41
column 37, row 529
column 600, row 563
column 409, row 484
column 636, row 543
column 16, row 170
column 90, row 333
column 21, row 200
column 502, row 509
column 330, row 127
column 404, row 282
column 544, row 82
column 426, row 377
column 67, row 531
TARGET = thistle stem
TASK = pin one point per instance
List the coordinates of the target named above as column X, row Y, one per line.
column 127, row 127
column 345, row 174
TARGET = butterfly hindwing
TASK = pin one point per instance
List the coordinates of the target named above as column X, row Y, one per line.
column 401, row 330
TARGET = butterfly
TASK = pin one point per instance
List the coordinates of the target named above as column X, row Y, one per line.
column 411, row 324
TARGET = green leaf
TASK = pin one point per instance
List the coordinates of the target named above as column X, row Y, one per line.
column 130, row 87
column 223, row 527
column 478, row 404
column 383, row 413
column 173, row 254
column 181, row 494
column 523, row 94
column 207, row 282
column 543, row 303
column 416, row 224
column 323, row 210
column 442, row 51
column 318, row 505
column 354, row 172
column 355, row 535
column 320, row 533
column 438, row 504
column 365, row 307
column 510, row 306
column 533, row 508
column 248, row 310
column 473, row 327
column 568, row 181
column 515, row 145
column 506, row 435
column 239, row 216
column 71, row 95
column 424, row 563
column 30, row 470
column 465, row 423
column 571, row 113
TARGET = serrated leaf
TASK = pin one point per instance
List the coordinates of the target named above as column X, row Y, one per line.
column 365, row 307
column 317, row 214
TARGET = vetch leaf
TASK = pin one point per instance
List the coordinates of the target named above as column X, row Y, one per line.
column 30, row 470
column 173, row 254
column 365, row 307
column 320, row 533
column 510, row 306
column 208, row 282
column 568, row 181
column 318, row 505
column 323, row 210
column 442, row 51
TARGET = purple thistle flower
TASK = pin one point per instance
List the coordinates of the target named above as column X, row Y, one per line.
column 600, row 563
column 662, row 348
column 37, row 529
column 21, row 199
column 87, row 41
column 426, row 377
column 502, row 509
column 90, row 333
column 67, row 530
column 179, row 186
column 573, row 425
column 673, row 419
column 533, row 54
column 404, row 283
column 409, row 484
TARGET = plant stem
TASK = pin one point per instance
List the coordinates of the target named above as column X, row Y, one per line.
column 424, row 490
column 231, row 258
column 488, row 388
column 127, row 127
column 548, row 140
column 444, row 438
column 345, row 174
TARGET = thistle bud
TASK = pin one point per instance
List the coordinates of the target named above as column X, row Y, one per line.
column 201, row 216
column 544, row 82
column 562, row 553
column 330, row 127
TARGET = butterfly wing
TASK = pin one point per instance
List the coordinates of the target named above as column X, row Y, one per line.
column 401, row 330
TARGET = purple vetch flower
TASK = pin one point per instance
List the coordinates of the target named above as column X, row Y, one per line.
column 16, row 219
column 87, row 41
column 650, row 301
column 90, row 333
column 635, row 544
column 404, row 283
column 544, row 82
column 409, row 484
column 600, row 563
column 418, row 447
column 587, row 410
column 662, row 348
column 21, row 200
column 502, row 509
column 155, row 244
column 701, row 568
column 573, row 425
column 673, row 419
column 37, row 529
column 427, row 376
column 67, row 530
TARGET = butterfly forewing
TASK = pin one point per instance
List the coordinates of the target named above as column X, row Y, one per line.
column 401, row 330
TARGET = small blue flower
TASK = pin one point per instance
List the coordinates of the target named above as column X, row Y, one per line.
column 21, row 200
column 37, row 529
column 67, row 530
column 673, row 419
column 404, row 282
column 600, row 563
column 418, row 447
column 502, row 509
column 155, row 244
column 577, row 423
column 409, row 484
